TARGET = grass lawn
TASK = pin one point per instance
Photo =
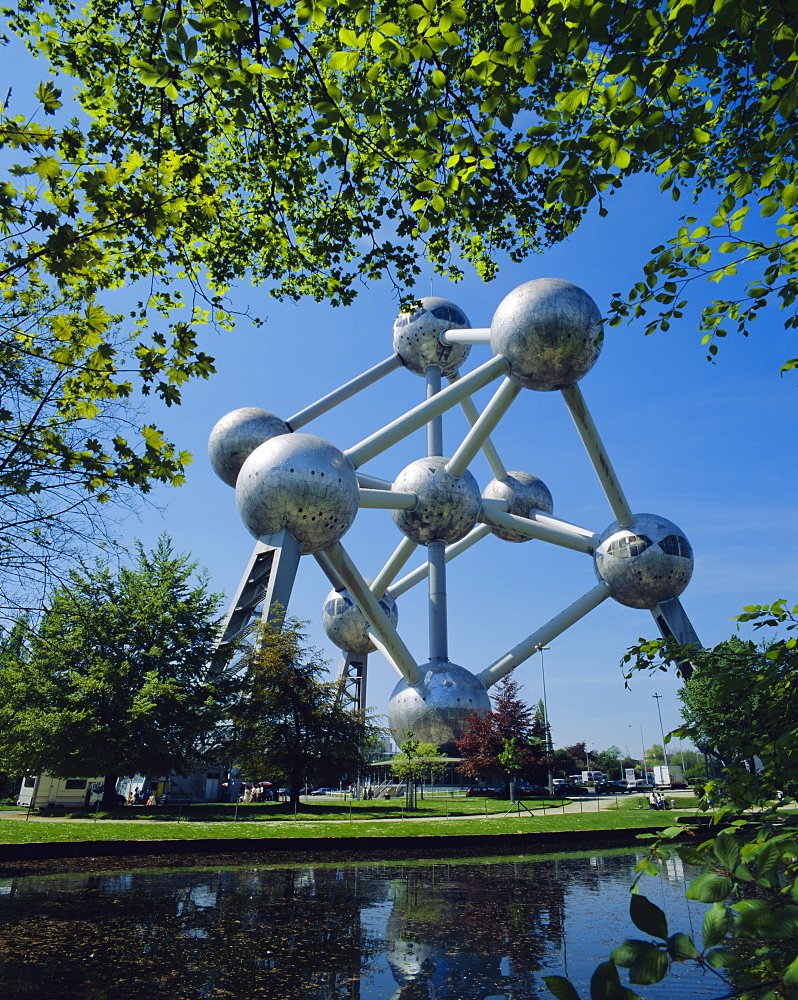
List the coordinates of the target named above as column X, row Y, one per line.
column 17, row 832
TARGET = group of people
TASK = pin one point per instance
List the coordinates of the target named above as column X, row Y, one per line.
column 658, row 801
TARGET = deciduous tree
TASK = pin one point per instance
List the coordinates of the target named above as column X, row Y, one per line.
column 112, row 680
column 287, row 724
column 487, row 736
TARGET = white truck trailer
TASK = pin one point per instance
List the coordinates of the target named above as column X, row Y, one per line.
column 671, row 776
column 45, row 790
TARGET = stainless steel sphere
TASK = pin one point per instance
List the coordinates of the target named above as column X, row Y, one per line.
column 346, row 625
column 301, row 483
column 416, row 336
column 650, row 562
column 447, row 507
column 524, row 493
column 237, row 435
column 438, row 708
column 550, row 332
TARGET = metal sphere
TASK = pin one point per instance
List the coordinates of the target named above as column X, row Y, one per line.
column 649, row 562
column 416, row 336
column 346, row 625
column 237, row 435
column 437, row 709
column 447, row 508
column 550, row 332
column 524, row 493
column 301, row 483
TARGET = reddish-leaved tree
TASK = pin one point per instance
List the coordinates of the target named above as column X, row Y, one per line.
column 486, row 736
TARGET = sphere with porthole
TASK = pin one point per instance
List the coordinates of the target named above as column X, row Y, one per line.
column 447, row 507
column 523, row 493
column 236, row 435
column 648, row 562
column 347, row 626
column 300, row 483
column 417, row 336
column 550, row 332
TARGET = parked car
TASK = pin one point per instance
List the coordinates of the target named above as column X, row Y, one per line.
column 570, row 791
column 533, row 791
column 471, row 792
column 326, row 791
column 612, row 788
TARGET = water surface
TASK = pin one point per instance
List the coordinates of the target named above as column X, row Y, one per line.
column 487, row 930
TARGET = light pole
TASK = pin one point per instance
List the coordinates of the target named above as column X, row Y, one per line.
column 662, row 731
column 643, row 747
column 545, row 708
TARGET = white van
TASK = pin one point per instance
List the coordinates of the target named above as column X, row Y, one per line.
column 45, row 790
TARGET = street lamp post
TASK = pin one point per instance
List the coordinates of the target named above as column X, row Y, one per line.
column 643, row 747
column 545, row 708
column 661, row 729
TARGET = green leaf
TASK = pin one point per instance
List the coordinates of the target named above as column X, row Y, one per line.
column 648, row 917
column 727, row 850
column 716, row 925
column 628, row 952
column 790, row 976
column 605, row 984
column 681, row 947
column 560, row 988
column 651, row 966
column 344, row 61
column 709, row 888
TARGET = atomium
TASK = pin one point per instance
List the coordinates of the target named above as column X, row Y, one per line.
column 299, row 494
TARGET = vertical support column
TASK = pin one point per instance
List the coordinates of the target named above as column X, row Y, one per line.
column 435, row 426
column 438, row 633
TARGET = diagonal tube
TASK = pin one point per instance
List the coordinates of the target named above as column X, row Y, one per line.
column 396, row 561
column 544, row 634
column 487, row 421
column 343, row 392
column 488, row 449
column 421, row 572
column 382, row 439
column 597, row 454
column 398, row 653
column 547, row 529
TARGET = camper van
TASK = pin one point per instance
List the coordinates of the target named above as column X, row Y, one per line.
column 45, row 790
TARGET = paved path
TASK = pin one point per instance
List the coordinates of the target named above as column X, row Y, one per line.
column 591, row 803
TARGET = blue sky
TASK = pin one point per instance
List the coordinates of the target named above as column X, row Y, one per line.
column 707, row 446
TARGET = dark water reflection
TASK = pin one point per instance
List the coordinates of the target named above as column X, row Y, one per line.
column 487, row 930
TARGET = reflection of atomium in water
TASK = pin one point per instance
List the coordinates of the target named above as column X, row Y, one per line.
column 299, row 494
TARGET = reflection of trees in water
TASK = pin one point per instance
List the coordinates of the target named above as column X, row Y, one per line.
column 226, row 934
column 469, row 931
column 455, row 931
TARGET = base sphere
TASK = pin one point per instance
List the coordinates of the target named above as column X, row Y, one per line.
column 649, row 562
column 550, row 332
column 437, row 710
column 301, row 483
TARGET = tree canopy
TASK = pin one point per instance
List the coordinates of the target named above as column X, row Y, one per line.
column 113, row 679
column 287, row 723
column 313, row 143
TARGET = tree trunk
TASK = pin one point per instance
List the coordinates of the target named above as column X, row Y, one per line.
column 109, row 791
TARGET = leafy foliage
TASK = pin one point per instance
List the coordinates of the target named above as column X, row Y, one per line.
column 287, row 724
column 315, row 142
column 113, row 678
column 486, row 740
column 749, row 876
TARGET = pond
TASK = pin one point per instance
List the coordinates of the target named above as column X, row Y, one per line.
column 443, row 930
